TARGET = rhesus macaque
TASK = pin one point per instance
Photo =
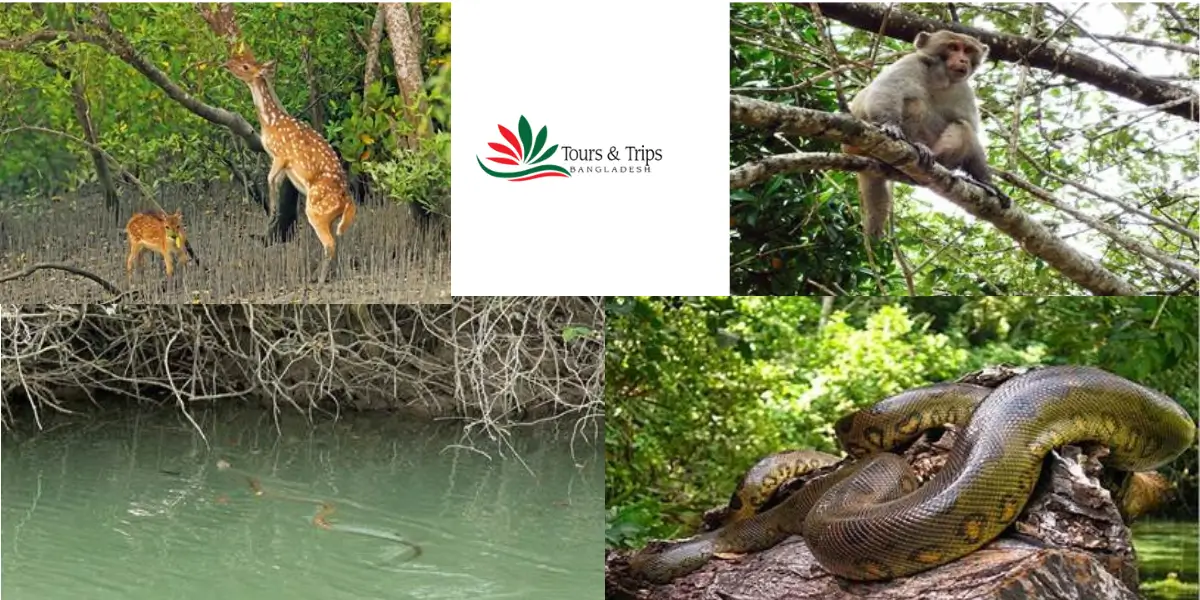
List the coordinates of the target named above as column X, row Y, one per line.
column 925, row 98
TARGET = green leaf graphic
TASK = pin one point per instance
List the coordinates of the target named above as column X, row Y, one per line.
column 526, row 134
column 541, row 141
column 548, row 154
column 525, row 173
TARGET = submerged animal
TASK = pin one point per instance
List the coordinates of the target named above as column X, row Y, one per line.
column 870, row 520
column 325, row 509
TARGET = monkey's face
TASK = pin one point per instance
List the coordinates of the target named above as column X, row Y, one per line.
column 961, row 60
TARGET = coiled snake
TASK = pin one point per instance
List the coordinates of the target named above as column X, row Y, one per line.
column 870, row 521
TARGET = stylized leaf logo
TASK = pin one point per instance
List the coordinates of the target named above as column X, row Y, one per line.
column 521, row 151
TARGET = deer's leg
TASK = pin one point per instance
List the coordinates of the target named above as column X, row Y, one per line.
column 170, row 263
column 324, row 229
column 134, row 259
column 322, row 206
column 274, row 178
column 323, row 225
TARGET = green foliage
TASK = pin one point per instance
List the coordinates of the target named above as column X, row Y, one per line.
column 373, row 137
column 421, row 175
column 375, row 128
column 155, row 136
column 437, row 95
column 800, row 226
column 698, row 389
column 575, row 332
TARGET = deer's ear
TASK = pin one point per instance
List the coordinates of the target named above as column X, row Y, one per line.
column 269, row 65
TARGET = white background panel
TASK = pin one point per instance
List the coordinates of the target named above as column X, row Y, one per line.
column 651, row 74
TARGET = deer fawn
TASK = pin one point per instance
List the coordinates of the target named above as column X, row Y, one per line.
column 302, row 155
column 160, row 232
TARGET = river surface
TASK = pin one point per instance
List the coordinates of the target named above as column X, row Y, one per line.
column 139, row 506
column 1167, row 558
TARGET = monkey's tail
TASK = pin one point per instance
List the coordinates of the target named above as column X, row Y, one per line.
column 876, row 198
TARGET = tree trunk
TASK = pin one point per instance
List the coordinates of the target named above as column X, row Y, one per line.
column 83, row 113
column 282, row 226
column 376, row 34
column 315, row 108
column 414, row 15
column 405, row 52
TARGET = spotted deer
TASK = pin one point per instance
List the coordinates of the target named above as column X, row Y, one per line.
column 159, row 232
column 302, row 155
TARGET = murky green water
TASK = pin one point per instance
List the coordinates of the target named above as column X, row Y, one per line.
column 1167, row 558
column 88, row 512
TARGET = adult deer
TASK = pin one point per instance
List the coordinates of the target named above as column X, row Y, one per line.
column 302, row 155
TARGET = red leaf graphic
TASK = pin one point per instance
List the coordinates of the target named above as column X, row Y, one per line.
column 503, row 149
column 512, row 139
column 502, row 160
column 539, row 176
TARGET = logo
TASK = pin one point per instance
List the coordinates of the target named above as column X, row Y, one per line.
column 523, row 155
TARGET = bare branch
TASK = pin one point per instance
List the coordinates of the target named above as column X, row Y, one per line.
column 31, row 269
column 1127, row 39
column 492, row 363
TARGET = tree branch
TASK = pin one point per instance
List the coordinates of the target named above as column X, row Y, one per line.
column 114, row 43
column 1081, row 67
column 104, row 283
column 758, row 171
column 1034, row 237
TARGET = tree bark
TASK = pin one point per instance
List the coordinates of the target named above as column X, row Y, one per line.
column 375, row 36
column 405, row 52
column 316, row 110
column 83, row 113
column 414, row 15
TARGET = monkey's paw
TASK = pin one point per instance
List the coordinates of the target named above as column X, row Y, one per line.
column 1005, row 201
column 924, row 155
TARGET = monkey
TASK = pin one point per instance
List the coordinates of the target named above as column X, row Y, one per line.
column 925, row 99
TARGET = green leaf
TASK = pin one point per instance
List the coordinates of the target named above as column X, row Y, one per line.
column 547, row 154
column 541, row 141
column 526, row 134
